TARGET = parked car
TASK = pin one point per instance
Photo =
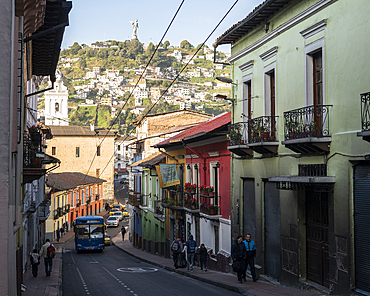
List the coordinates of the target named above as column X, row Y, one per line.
column 125, row 213
column 119, row 215
column 112, row 221
column 106, row 239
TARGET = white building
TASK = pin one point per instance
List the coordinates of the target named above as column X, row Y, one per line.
column 56, row 103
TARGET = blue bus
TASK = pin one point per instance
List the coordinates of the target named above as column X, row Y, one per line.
column 89, row 233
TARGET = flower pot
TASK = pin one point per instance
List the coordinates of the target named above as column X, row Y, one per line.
column 192, row 190
column 211, row 194
column 213, row 212
column 193, row 207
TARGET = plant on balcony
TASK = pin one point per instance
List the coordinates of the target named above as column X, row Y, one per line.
column 34, row 129
column 235, row 136
column 202, row 189
column 158, row 211
column 191, row 203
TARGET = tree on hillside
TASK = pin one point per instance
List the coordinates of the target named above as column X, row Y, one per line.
column 82, row 63
column 208, row 97
column 185, row 44
column 166, row 44
column 150, row 48
column 75, row 48
column 134, row 48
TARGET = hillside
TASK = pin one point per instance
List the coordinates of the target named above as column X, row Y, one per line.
column 101, row 76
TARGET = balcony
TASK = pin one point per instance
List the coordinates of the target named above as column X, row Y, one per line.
column 158, row 210
column 33, row 155
column 56, row 214
column 44, row 210
column 60, row 212
column 97, row 196
column 257, row 134
column 306, row 130
column 66, row 209
column 365, row 117
column 133, row 198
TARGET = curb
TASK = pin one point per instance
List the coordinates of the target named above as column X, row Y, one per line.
column 199, row 278
column 60, row 280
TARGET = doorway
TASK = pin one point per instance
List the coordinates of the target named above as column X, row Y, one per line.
column 317, row 237
column 249, row 208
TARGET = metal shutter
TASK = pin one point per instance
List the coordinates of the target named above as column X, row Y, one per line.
column 362, row 227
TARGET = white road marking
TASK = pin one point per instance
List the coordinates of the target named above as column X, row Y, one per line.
column 83, row 281
column 118, row 280
column 137, row 269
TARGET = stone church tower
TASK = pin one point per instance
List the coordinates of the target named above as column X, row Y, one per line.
column 56, row 102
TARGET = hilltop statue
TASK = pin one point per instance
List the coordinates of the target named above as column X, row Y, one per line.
column 135, row 25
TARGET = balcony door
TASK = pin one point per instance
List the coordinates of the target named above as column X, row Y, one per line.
column 247, row 107
column 317, row 92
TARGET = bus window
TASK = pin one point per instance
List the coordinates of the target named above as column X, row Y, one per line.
column 96, row 231
column 82, row 231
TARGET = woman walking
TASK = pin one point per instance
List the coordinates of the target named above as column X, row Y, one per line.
column 238, row 253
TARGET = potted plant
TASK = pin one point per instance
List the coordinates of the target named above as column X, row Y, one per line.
column 193, row 188
column 235, row 136
column 211, row 191
column 187, row 186
column 191, row 203
column 204, row 208
column 213, row 209
column 202, row 189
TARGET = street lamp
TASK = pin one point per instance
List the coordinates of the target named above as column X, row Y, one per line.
column 225, row 80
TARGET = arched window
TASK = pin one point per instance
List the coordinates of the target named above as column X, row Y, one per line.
column 56, row 107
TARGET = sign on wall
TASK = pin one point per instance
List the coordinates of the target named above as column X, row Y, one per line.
column 167, row 174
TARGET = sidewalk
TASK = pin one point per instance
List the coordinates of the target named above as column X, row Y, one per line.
column 44, row 285
column 224, row 280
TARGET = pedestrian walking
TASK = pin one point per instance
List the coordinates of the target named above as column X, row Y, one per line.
column 48, row 251
column 203, row 256
column 35, row 261
column 58, row 234
column 106, row 206
column 176, row 248
column 238, row 253
column 61, row 231
column 123, row 231
column 191, row 248
column 250, row 248
column 66, row 226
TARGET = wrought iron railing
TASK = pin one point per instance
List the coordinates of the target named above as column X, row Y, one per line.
column 158, row 209
column 262, row 129
column 32, row 146
column 134, row 198
column 365, row 111
column 307, row 122
column 56, row 214
column 60, row 211
column 259, row 129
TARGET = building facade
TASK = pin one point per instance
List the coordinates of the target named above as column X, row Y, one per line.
column 299, row 165
column 82, row 149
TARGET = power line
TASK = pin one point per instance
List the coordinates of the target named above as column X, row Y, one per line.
column 184, row 67
column 181, row 69
column 142, row 74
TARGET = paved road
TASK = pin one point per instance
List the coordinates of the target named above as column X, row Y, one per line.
column 113, row 272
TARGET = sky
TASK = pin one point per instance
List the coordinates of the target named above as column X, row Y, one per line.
column 96, row 20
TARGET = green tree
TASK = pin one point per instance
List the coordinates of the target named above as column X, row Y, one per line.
column 75, row 48
column 82, row 63
column 166, row 44
column 185, row 44
column 208, row 97
column 150, row 48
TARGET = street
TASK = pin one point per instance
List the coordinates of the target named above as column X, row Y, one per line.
column 114, row 272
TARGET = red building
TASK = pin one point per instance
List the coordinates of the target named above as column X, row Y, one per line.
column 207, row 164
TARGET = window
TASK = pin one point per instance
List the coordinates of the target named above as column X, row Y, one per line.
column 72, row 198
column 247, row 95
column 83, row 196
column 56, row 107
column 97, row 173
column 119, row 148
column 77, row 151
column 53, row 150
column 98, row 151
column 317, row 78
column 270, row 93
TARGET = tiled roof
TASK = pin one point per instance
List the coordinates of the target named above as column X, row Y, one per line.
column 58, row 130
column 199, row 130
column 259, row 14
column 70, row 180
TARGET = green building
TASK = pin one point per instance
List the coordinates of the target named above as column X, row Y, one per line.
column 300, row 175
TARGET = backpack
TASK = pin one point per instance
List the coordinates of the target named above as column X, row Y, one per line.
column 175, row 246
column 50, row 251
column 191, row 246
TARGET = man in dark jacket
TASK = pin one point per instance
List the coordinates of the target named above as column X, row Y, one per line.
column 250, row 249
column 176, row 248
column 238, row 253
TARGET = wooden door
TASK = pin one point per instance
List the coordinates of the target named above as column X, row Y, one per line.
column 317, row 237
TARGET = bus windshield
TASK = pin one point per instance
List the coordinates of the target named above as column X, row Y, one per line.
column 89, row 231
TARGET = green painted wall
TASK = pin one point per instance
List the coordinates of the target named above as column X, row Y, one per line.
column 347, row 43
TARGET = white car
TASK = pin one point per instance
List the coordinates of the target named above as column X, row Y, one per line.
column 119, row 215
column 112, row 221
